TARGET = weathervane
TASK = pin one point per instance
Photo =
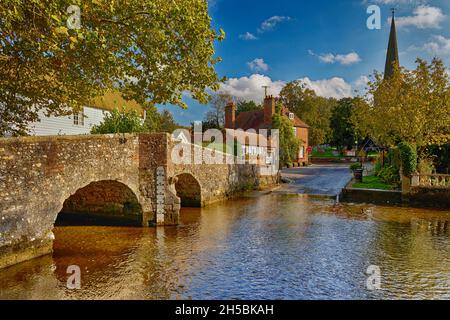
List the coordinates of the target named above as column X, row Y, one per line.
column 393, row 11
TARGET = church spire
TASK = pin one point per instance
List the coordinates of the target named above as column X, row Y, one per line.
column 392, row 59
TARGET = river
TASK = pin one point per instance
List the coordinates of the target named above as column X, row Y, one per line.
column 274, row 246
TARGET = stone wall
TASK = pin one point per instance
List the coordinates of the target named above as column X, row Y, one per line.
column 374, row 196
column 37, row 175
column 429, row 196
column 417, row 196
column 426, row 190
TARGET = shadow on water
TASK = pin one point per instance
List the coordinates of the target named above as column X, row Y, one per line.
column 88, row 219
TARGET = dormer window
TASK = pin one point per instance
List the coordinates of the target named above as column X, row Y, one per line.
column 291, row 116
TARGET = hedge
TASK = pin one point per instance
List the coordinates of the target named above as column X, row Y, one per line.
column 408, row 156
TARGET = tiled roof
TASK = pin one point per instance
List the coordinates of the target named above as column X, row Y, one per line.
column 255, row 120
column 297, row 121
column 250, row 120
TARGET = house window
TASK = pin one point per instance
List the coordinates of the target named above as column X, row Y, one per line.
column 78, row 118
column 291, row 116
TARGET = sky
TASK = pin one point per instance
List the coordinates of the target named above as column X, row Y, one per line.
column 325, row 43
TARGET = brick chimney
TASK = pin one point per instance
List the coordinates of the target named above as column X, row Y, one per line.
column 230, row 115
column 269, row 109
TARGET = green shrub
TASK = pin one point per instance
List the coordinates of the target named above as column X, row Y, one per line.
column 393, row 159
column 378, row 166
column 120, row 122
column 389, row 175
column 408, row 155
column 356, row 166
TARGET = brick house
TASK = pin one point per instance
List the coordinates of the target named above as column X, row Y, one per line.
column 262, row 119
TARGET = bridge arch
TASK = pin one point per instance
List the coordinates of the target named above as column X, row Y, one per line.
column 189, row 190
column 103, row 202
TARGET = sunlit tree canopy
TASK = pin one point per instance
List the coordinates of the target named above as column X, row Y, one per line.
column 152, row 51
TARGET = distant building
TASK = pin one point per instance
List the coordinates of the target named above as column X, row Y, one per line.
column 262, row 119
column 82, row 122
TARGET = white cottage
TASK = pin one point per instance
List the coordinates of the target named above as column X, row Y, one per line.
column 82, row 123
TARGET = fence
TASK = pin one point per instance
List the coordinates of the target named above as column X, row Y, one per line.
column 432, row 180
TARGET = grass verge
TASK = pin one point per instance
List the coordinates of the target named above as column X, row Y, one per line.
column 372, row 182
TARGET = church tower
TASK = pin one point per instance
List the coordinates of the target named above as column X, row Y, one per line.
column 392, row 59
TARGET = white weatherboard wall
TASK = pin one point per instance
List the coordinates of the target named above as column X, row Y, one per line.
column 51, row 126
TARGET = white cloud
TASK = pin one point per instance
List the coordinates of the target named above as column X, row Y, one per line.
column 258, row 65
column 440, row 45
column 270, row 23
column 424, row 17
column 327, row 58
column 437, row 46
column 349, row 58
column 344, row 59
column 247, row 36
column 330, row 88
column 251, row 88
column 360, row 85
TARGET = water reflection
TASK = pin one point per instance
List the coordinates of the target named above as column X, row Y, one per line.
column 270, row 247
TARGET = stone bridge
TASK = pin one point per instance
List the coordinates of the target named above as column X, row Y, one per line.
column 123, row 177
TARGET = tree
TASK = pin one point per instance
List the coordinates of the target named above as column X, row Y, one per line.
column 289, row 144
column 343, row 133
column 124, row 121
column 246, row 106
column 215, row 118
column 411, row 106
column 120, row 122
column 152, row 119
column 441, row 155
column 166, row 122
column 150, row 50
column 163, row 121
column 314, row 110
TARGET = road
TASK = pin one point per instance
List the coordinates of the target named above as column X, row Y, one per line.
column 323, row 179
